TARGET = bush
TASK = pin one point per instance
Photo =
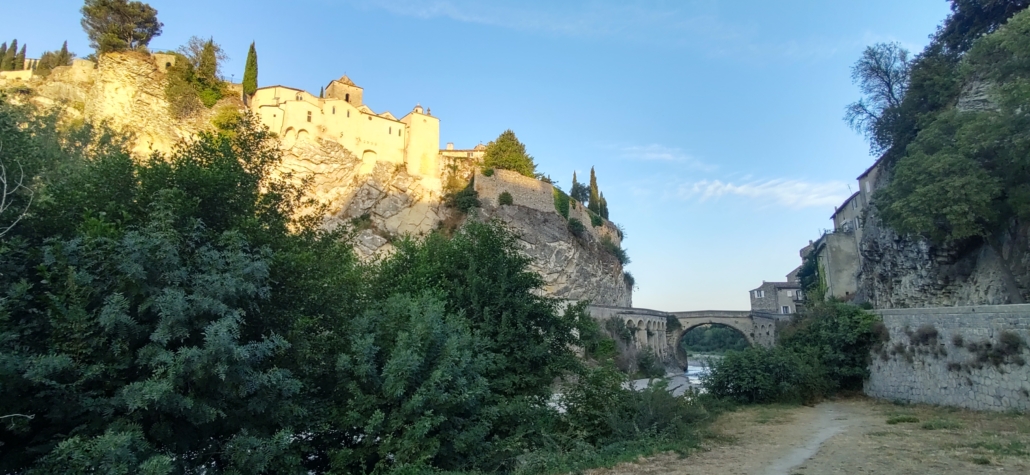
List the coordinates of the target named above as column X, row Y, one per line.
column 630, row 281
column 577, row 228
column 561, row 203
column 596, row 220
column 609, row 246
column 764, row 375
column 505, row 199
column 488, row 172
column 649, row 365
column 464, row 200
column 841, row 336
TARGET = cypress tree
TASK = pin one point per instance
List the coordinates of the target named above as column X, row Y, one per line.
column 604, row 207
column 3, row 54
column 19, row 60
column 64, row 58
column 7, row 64
column 595, row 197
column 321, row 92
column 250, row 72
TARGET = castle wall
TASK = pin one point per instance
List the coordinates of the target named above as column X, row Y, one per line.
column 423, row 145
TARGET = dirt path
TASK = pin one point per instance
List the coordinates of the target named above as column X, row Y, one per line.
column 852, row 436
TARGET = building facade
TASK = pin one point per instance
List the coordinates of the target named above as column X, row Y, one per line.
column 781, row 298
column 413, row 141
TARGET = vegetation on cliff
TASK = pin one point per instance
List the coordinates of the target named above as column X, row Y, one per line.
column 119, row 25
column 178, row 315
column 250, row 72
column 508, row 153
column 195, row 81
column 952, row 129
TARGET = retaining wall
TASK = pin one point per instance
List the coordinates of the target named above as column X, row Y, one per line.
column 971, row 357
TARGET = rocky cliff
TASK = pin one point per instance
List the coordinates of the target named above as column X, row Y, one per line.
column 126, row 91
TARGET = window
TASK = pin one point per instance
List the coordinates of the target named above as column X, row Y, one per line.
column 391, row 131
column 348, row 113
column 334, row 109
column 759, row 294
column 309, row 116
column 398, row 132
column 470, row 154
column 298, row 97
column 854, row 204
column 346, row 97
column 785, row 310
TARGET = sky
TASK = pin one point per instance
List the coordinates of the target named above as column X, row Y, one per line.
column 714, row 127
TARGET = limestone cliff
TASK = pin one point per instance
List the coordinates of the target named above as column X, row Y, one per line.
column 906, row 271
column 126, row 91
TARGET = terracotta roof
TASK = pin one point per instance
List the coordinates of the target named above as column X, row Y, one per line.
column 346, row 80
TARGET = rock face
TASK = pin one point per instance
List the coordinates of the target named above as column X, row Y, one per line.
column 126, row 91
column 901, row 272
column 573, row 268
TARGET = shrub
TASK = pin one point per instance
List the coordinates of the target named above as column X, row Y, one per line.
column 577, row 228
column 505, row 199
column 596, row 220
column 561, row 203
column 488, row 172
column 630, row 281
column 649, row 365
column 464, row 200
column 764, row 375
column 841, row 336
column 608, row 245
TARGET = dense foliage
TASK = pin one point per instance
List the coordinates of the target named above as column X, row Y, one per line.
column 52, row 59
column 118, row 25
column 11, row 59
column 176, row 315
column 713, row 339
column 826, row 348
column 508, row 153
column 194, row 81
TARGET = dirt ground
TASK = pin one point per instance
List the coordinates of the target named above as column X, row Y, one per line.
column 852, row 436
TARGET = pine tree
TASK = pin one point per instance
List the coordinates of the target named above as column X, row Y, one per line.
column 64, row 58
column 8, row 61
column 250, row 72
column 19, row 60
column 595, row 196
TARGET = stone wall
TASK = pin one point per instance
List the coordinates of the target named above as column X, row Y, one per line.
column 535, row 194
column 972, row 357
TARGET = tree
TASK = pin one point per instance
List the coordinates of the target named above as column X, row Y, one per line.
column 250, row 72
column 3, row 54
column 19, row 60
column 7, row 62
column 52, row 59
column 507, row 153
column 595, row 195
column 971, row 19
column 206, row 58
column 604, row 207
column 579, row 191
column 882, row 75
column 118, row 25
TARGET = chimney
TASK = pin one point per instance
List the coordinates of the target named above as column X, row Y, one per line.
column 450, row 145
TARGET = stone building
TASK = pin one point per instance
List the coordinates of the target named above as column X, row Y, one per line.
column 412, row 141
column 780, row 298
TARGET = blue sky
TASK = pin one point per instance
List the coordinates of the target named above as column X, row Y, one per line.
column 715, row 127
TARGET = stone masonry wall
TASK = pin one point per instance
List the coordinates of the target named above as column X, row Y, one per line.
column 971, row 357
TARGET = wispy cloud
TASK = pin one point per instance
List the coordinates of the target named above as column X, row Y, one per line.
column 694, row 23
column 791, row 193
column 662, row 153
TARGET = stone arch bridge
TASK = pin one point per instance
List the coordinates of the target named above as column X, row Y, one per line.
column 651, row 328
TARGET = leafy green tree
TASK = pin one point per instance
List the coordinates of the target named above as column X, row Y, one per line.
column 250, row 72
column 579, row 191
column 964, row 176
column 506, row 152
column 118, row 25
column 52, row 59
column 882, row 74
column 595, row 196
